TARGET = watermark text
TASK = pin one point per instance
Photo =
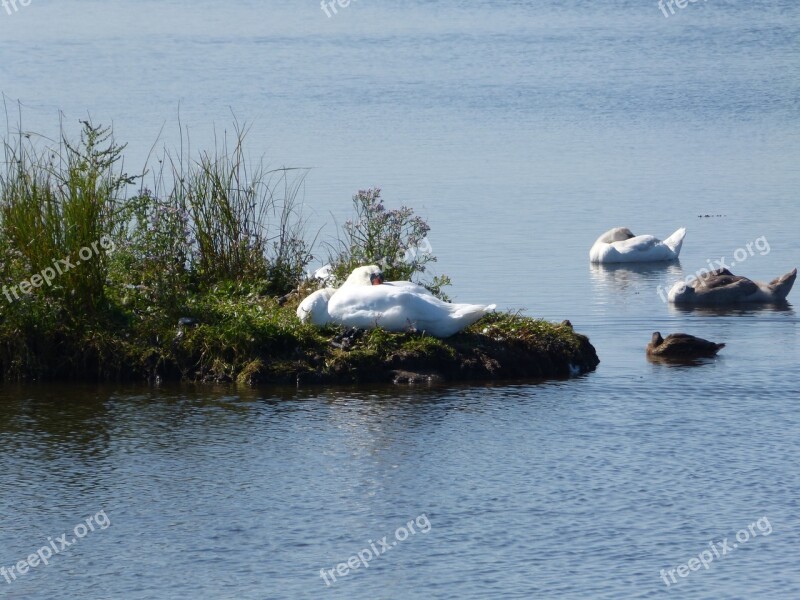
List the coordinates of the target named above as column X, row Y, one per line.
column 740, row 255
column 671, row 4
column 60, row 266
column 329, row 6
column 55, row 546
column 716, row 550
column 375, row 550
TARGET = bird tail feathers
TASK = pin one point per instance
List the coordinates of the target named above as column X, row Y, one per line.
column 675, row 241
column 472, row 312
column 783, row 284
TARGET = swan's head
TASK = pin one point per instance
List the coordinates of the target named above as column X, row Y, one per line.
column 680, row 292
column 369, row 275
column 618, row 234
column 314, row 308
column 657, row 340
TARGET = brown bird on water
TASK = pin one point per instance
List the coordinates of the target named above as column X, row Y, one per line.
column 682, row 346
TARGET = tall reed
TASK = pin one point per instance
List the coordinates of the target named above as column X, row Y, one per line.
column 245, row 219
column 57, row 198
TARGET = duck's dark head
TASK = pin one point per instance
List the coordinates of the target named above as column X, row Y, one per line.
column 376, row 278
column 657, row 339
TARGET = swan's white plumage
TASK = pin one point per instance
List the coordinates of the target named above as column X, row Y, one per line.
column 401, row 308
column 362, row 277
column 395, row 306
column 314, row 308
column 323, row 274
column 619, row 245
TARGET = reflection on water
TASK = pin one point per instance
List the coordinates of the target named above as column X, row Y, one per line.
column 626, row 273
column 64, row 417
column 735, row 310
column 610, row 281
column 281, row 483
column 680, row 362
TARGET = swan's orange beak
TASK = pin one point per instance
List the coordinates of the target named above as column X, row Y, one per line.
column 376, row 278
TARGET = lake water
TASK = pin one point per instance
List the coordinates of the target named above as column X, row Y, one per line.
column 521, row 131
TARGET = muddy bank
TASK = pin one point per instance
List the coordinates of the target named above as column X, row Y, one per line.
column 498, row 347
column 254, row 340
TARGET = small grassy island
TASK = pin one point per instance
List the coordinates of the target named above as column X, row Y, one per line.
column 198, row 278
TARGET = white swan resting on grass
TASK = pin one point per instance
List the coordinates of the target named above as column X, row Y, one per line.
column 619, row 245
column 365, row 301
column 314, row 307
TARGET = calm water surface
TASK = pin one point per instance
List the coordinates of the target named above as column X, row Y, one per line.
column 521, row 132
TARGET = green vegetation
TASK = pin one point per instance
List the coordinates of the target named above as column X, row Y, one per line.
column 394, row 239
column 198, row 277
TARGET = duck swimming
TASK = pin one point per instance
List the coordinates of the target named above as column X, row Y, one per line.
column 619, row 245
column 365, row 301
column 721, row 287
column 681, row 346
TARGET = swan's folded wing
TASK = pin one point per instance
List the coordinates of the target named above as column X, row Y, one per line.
column 640, row 243
column 384, row 301
column 401, row 308
column 731, row 283
column 410, row 285
column 736, row 291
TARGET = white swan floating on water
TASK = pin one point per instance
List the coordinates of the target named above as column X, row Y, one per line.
column 619, row 245
column 365, row 301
